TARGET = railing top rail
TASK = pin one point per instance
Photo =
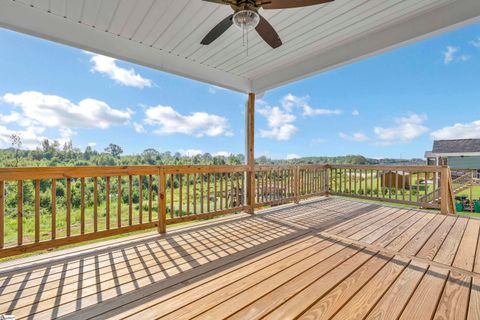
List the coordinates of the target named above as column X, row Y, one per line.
column 290, row 166
column 33, row 173
column 389, row 168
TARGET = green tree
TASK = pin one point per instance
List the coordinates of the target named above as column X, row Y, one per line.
column 114, row 150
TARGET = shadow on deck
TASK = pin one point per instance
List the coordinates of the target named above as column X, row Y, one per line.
column 266, row 264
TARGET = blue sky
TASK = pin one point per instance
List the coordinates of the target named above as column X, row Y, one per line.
column 390, row 105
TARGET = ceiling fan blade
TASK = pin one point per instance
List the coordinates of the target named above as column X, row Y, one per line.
column 217, row 1
column 286, row 4
column 218, row 30
column 266, row 31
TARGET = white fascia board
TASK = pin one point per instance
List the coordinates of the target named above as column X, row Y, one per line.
column 440, row 19
column 457, row 154
column 22, row 18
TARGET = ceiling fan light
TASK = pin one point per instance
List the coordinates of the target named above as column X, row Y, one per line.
column 246, row 20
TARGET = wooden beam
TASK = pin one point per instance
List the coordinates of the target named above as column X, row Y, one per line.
column 250, row 152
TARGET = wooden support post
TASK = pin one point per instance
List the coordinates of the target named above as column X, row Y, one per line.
column 162, row 202
column 250, row 156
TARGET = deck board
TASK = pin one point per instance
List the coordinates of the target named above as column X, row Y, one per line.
column 323, row 259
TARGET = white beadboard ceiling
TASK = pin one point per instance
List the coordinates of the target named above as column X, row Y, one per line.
column 166, row 34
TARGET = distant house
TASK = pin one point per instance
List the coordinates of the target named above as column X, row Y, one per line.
column 459, row 154
column 397, row 179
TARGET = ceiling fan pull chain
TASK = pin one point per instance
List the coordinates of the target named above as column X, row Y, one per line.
column 247, row 42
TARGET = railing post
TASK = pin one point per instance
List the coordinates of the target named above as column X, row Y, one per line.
column 326, row 179
column 162, row 202
column 446, row 202
column 296, row 184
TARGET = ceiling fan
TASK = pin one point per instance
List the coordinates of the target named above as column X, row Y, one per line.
column 246, row 17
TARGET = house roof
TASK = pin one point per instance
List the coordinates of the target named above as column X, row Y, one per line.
column 456, row 146
column 166, row 34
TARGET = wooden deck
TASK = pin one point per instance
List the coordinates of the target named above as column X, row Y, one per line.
column 323, row 259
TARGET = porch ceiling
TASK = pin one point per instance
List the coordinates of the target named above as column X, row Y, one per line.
column 166, row 34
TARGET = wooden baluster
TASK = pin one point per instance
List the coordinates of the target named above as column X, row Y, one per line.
column 243, row 188
column 426, row 187
column 82, row 205
column 188, row 194
column 2, row 214
column 355, row 181
column 172, row 195
column 20, row 213
column 226, row 191
column 54, row 209
column 180, row 195
column 366, row 182
column 272, row 190
column 214, row 192
column 418, row 187
column 257, row 182
column 37, row 211
column 202, row 199
column 350, row 180
column 150, row 197
column 275, row 184
column 95, row 204
column 232, row 189
column 221, row 190
column 119, row 201
column 162, row 204
column 263, row 186
column 107, row 203
column 194, row 193
column 130, row 200
column 238, row 197
column 396, row 185
column 140, row 199
column 208, row 192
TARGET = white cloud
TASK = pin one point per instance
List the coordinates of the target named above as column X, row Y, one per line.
column 126, row 77
column 464, row 57
column 292, row 156
column 355, row 113
column 282, row 133
column 279, row 123
column 458, row 131
column 449, row 54
column 139, row 128
column 92, row 144
column 225, row 154
column 406, row 129
column 357, row 137
column 476, row 42
column 275, row 116
column 290, row 101
column 190, row 152
column 197, row 124
column 31, row 137
column 57, row 112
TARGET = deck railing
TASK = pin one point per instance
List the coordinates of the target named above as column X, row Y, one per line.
column 409, row 185
column 42, row 208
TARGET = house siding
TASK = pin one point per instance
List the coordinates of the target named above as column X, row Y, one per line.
column 464, row 162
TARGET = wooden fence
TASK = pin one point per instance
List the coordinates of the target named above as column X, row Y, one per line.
column 42, row 208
